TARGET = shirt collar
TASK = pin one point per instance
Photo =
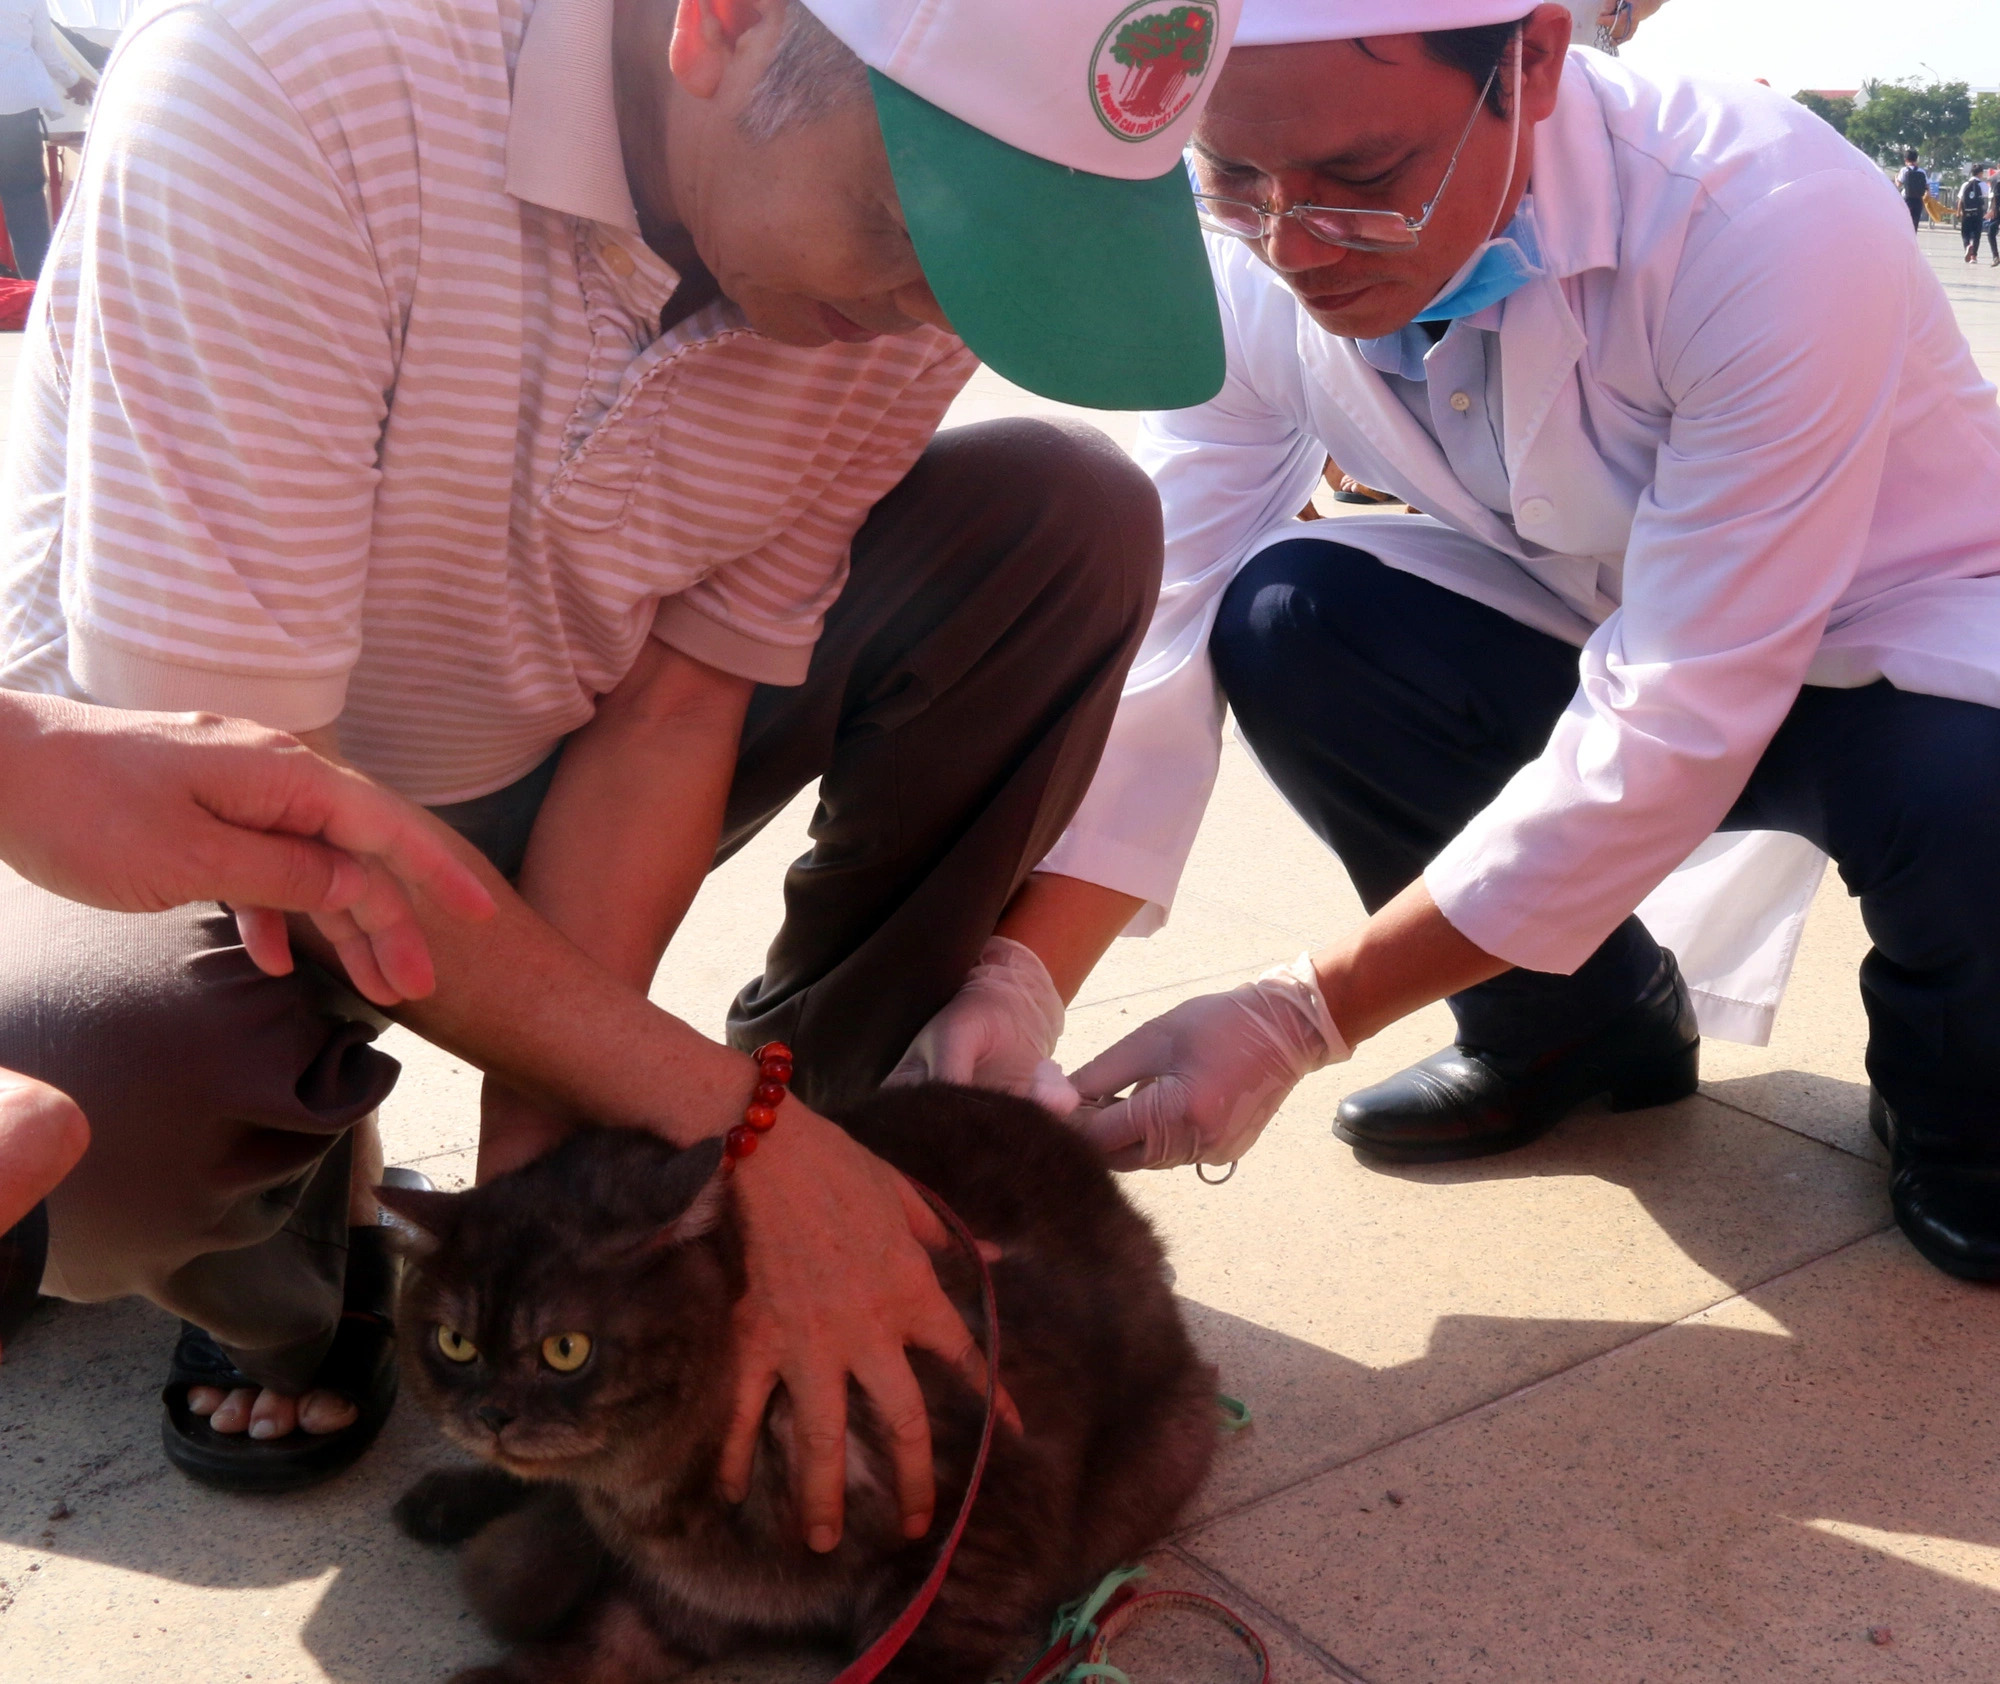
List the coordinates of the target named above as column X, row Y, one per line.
column 562, row 134
column 1579, row 214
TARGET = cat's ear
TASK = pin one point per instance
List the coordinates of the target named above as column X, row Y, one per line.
column 420, row 1219
column 691, row 1195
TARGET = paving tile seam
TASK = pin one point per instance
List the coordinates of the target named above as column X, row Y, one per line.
column 1285, row 930
column 442, row 1152
column 1524, row 1390
column 1714, row 1098
column 1162, row 987
column 1242, row 1603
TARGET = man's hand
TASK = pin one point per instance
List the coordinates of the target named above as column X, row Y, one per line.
column 1211, row 1072
column 82, row 91
column 138, row 812
column 1214, row 1069
column 42, row 1134
column 835, row 1245
column 998, row 1031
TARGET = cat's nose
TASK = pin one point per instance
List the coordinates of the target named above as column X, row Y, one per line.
column 493, row 1418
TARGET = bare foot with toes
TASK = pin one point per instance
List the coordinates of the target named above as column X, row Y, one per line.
column 267, row 1414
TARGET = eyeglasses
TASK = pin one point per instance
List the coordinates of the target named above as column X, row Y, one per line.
column 1358, row 230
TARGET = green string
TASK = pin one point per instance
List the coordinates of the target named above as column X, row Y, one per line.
column 1076, row 1622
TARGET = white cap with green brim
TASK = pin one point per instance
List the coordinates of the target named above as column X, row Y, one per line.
column 1286, row 23
column 1036, row 146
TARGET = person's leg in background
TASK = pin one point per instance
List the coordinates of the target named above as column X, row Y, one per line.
column 955, row 711
column 1969, row 225
column 1389, row 711
column 1902, row 791
column 219, row 1179
column 24, row 190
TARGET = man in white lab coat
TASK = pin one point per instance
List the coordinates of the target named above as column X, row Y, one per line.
column 34, row 76
column 1708, row 474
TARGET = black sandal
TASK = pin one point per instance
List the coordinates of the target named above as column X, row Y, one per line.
column 24, row 1250
column 360, row 1365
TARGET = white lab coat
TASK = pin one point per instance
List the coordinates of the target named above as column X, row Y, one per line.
column 1742, row 432
column 34, row 70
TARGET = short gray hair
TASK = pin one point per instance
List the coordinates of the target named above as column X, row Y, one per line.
column 811, row 75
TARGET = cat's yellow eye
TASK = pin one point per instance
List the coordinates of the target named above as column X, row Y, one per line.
column 566, row 1352
column 455, row 1346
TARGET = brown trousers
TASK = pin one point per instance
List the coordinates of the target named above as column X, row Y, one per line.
column 954, row 713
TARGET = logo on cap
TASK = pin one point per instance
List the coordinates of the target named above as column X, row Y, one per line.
column 1148, row 65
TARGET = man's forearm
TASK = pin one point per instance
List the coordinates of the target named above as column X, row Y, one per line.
column 629, row 828
column 524, row 1003
column 1402, row 959
column 1068, row 923
column 521, row 1001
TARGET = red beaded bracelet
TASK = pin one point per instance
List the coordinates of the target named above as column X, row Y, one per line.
column 774, row 1077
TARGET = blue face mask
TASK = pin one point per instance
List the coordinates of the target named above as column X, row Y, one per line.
column 1502, row 266
column 1499, row 268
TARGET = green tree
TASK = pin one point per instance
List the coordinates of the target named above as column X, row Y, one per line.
column 1833, row 111
column 1932, row 117
column 1982, row 134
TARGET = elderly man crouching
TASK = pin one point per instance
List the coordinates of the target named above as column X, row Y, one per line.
column 534, row 406
column 1693, row 564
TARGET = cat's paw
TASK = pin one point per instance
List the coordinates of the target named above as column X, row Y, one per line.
column 454, row 1504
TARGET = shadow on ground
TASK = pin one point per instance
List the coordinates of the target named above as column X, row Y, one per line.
column 1748, row 1494
column 325, row 1570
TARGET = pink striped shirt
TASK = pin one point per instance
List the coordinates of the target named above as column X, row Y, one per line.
column 345, row 403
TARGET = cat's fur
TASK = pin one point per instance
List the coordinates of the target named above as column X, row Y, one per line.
column 611, row 1560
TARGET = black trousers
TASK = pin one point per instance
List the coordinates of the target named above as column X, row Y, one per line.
column 24, row 190
column 1970, row 223
column 1389, row 711
column 954, row 713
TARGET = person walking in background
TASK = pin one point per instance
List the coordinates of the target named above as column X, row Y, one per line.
column 1972, row 201
column 1915, row 186
column 33, row 73
column 1993, row 214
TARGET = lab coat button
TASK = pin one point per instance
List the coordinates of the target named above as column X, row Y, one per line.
column 1535, row 510
column 618, row 260
column 1460, row 402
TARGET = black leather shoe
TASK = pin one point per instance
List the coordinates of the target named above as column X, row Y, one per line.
column 1465, row 1102
column 1947, row 1202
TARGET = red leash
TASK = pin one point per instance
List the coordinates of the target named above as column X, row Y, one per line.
column 865, row 1666
column 1089, row 1645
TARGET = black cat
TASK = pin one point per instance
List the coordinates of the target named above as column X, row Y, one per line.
column 571, row 1324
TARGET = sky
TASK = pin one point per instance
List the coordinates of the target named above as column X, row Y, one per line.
column 1796, row 44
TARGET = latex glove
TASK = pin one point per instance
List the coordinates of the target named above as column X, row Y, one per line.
column 1211, row 1072
column 998, row 1031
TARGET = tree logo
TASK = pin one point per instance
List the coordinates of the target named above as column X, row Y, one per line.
column 1149, row 64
